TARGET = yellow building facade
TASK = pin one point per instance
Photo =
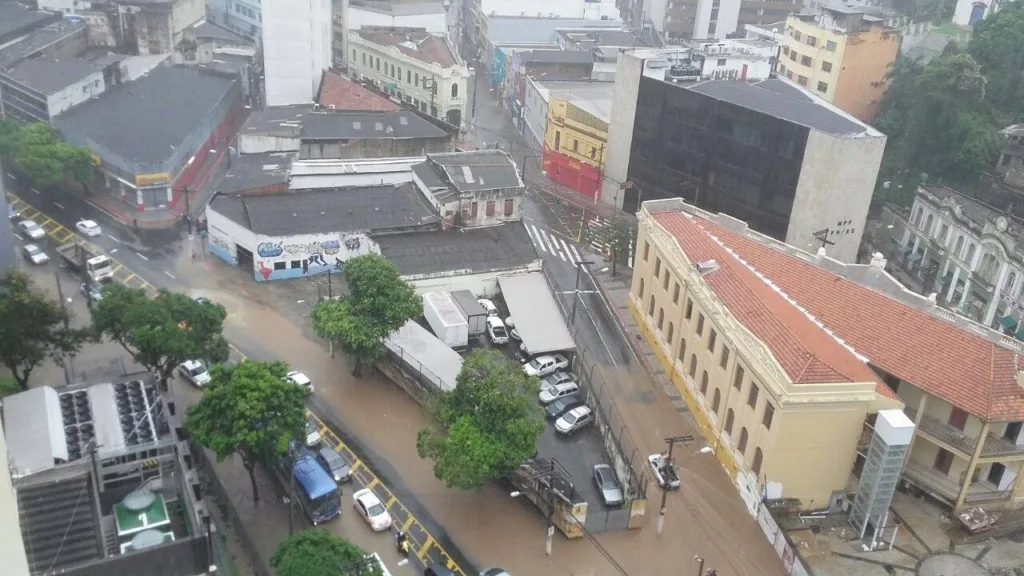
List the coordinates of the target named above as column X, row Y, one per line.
column 574, row 146
column 780, row 401
column 842, row 56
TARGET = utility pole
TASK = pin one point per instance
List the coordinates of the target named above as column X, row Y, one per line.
column 686, row 439
column 576, row 294
column 700, row 565
column 551, row 510
column 291, row 494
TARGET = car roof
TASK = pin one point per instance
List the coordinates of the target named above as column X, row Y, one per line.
column 190, row 364
column 494, row 320
column 566, row 385
column 367, row 497
column 330, row 453
column 31, row 247
column 580, row 410
column 87, row 222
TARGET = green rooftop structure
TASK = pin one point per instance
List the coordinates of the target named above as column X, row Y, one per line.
column 140, row 511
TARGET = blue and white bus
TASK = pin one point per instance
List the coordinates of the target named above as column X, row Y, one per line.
column 316, row 492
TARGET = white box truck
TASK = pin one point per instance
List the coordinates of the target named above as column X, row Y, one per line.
column 471, row 310
column 446, row 319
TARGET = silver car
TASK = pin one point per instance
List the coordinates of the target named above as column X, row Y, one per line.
column 33, row 254
column 607, row 485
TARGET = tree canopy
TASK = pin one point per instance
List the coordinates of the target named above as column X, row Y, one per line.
column 163, row 331
column 487, row 425
column 250, row 410
column 37, row 148
column 33, row 328
column 318, row 553
column 378, row 302
column 997, row 45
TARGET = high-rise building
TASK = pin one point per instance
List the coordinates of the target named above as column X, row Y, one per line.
column 296, row 49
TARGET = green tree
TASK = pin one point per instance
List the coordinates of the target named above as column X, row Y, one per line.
column 163, row 331
column 378, row 302
column 318, row 553
column 250, row 410
column 10, row 138
column 77, row 162
column 33, row 328
column 37, row 154
column 997, row 45
column 487, row 425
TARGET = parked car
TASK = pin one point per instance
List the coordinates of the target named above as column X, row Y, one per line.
column 299, row 379
column 495, row 572
column 514, row 334
column 313, row 438
column 32, row 230
column 371, row 509
column 544, row 365
column 664, row 471
column 552, row 393
column 608, row 485
column 489, row 306
column 335, row 463
column 194, row 371
column 562, row 405
column 12, row 213
column 574, row 420
column 34, row 254
column 559, row 377
column 496, row 330
column 88, row 228
column 92, row 291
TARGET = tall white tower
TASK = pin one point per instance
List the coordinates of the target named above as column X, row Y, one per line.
column 296, row 49
column 882, row 467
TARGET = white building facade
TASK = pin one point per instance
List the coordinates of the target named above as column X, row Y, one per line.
column 970, row 12
column 428, row 15
column 243, row 17
column 296, row 49
column 585, row 9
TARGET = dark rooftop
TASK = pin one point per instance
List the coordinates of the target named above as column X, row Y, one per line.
column 38, row 39
column 209, row 30
column 372, row 208
column 256, row 171
column 333, row 125
column 17, row 19
column 781, row 100
column 48, row 76
column 281, row 121
column 472, row 249
column 479, row 170
column 145, row 120
column 556, row 56
column 55, row 539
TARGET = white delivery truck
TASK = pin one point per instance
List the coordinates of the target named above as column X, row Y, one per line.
column 446, row 319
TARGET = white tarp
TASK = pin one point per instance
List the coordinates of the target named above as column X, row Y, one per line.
column 34, row 431
column 535, row 313
column 424, row 351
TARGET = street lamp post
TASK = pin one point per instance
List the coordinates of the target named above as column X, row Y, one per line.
column 550, row 497
column 668, row 462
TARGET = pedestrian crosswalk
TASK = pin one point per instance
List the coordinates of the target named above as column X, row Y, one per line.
column 549, row 243
column 599, row 235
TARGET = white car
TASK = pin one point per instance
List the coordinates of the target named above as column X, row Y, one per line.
column 555, row 379
column 313, row 437
column 299, row 379
column 34, row 255
column 88, row 227
column 574, row 420
column 544, row 365
column 195, row 372
column 664, row 471
column 32, row 230
column 372, row 509
column 552, row 393
column 489, row 306
column 496, row 330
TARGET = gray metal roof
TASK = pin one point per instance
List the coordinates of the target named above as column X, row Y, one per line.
column 38, row 39
column 207, row 29
column 505, row 247
column 145, row 120
column 478, row 170
column 253, row 171
column 34, row 431
column 281, row 121
column 48, row 76
column 556, row 56
column 777, row 98
column 368, row 125
column 17, row 18
column 537, row 316
column 417, row 346
column 373, row 209
column 506, row 30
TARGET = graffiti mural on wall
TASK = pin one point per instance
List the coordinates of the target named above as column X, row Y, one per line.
column 281, row 259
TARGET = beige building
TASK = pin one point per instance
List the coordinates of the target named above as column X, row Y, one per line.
column 12, row 547
column 842, row 54
column 778, row 397
column 961, row 383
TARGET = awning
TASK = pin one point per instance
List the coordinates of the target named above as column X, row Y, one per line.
column 34, row 428
column 1009, row 322
column 536, row 314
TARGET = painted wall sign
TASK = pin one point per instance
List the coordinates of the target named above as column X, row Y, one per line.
column 305, row 255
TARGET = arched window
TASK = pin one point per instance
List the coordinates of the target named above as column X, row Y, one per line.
column 1011, row 279
column 928, row 224
column 742, row 446
column 661, row 318
column 682, row 349
column 641, row 293
column 693, row 365
column 716, row 400
column 671, row 332
column 729, row 417
column 970, row 254
column 704, row 383
column 959, row 246
column 756, row 466
column 650, row 307
column 917, row 216
column 455, row 90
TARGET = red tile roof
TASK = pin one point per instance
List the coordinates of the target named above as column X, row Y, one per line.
column 345, row 94
column 807, row 353
column 962, row 368
column 416, row 44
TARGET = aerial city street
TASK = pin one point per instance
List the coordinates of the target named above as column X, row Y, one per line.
column 386, row 287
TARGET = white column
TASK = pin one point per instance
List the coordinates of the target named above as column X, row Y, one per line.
column 993, row 305
column 963, row 297
column 952, row 285
column 917, row 242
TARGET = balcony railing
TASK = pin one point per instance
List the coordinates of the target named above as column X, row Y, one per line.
column 942, row 432
column 942, row 486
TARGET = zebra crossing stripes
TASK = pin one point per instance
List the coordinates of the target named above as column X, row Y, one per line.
column 551, row 244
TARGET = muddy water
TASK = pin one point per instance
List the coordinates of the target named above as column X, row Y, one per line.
column 490, row 527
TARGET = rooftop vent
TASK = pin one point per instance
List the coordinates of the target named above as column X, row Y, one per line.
column 706, row 267
column 357, row 125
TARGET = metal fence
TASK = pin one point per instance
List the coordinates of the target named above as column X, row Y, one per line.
column 425, row 383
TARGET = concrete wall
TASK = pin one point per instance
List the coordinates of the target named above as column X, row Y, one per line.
column 964, row 9
column 474, row 209
column 259, row 143
column 535, row 113
column 376, row 147
column 862, row 78
column 628, row 71
column 223, row 234
column 359, row 17
column 278, row 258
column 12, row 547
column 834, row 191
column 481, row 284
column 75, row 94
column 728, row 17
column 296, row 49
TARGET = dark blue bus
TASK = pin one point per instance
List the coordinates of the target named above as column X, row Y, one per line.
column 316, row 492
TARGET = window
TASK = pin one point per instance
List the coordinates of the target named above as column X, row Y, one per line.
column 830, row 46
column 722, row 61
column 785, row 50
column 364, row 58
column 378, row 64
column 558, row 141
column 822, row 87
column 742, row 444
column 704, row 383
column 509, row 206
column 796, row 35
column 805, row 61
column 650, row 309
column 716, row 400
column 801, row 80
column 789, row 74
column 737, row 379
column 689, row 309
column 712, row 340
column 700, row 324
column 958, row 419
column 280, row 265
column 575, row 145
column 417, row 77
column 472, row 209
column 682, row 349
column 714, row 18
column 399, row 74
column 769, row 414
column 593, row 152
column 724, row 362
column 661, row 318
column 782, row 69
column 647, row 250
column 826, row 66
column 793, row 55
column 296, row 264
column 455, row 90
column 693, row 365
column 353, row 53
column 756, row 466
column 671, row 332
column 664, row 283
column 408, row 76
column 641, row 294
column 675, row 293
column 752, row 396
column 490, row 208
column 943, row 461
column 730, row 416
column 392, row 70
column 959, row 246
column 657, row 267
column 812, row 41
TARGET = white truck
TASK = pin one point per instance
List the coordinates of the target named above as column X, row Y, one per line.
column 87, row 260
column 445, row 319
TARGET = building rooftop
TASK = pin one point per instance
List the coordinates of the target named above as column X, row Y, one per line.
column 17, row 19
column 334, row 125
column 416, row 43
column 211, row 31
column 435, row 359
column 478, row 170
column 398, row 8
column 1013, row 130
column 782, row 99
column 38, row 39
column 511, row 31
column 467, row 250
column 556, row 56
column 586, row 39
column 370, row 208
column 594, row 97
column 48, row 76
column 343, row 94
column 927, row 48
column 897, row 331
column 279, row 121
column 975, row 212
column 145, row 120
column 257, row 171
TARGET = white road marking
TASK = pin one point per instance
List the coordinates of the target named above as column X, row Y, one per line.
column 169, row 274
column 550, row 244
column 16, row 235
column 11, row 176
column 575, row 253
column 36, row 191
column 58, row 205
column 112, row 238
column 141, row 256
column 113, row 250
column 562, row 256
column 536, row 240
column 565, row 246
